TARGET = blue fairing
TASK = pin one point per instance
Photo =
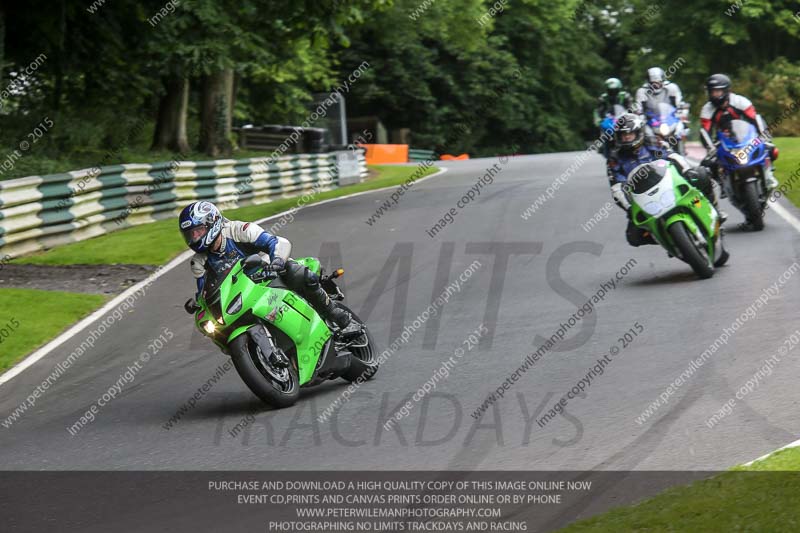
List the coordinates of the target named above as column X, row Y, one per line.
column 608, row 125
column 740, row 146
column 666, row 114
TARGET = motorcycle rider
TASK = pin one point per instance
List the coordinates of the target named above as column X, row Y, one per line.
column 615, row 95
column 724, row 106
column 632, row 148
column 657, row 89
column 218, row 242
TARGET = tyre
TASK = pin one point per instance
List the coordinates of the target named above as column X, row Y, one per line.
column 364, row 360
column 277, row 387
column 724, row 256
column 697, row 259
column 752, row 205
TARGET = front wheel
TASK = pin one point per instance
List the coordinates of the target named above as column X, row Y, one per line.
column 690, row 251
column 278, row 387
column 752, row 205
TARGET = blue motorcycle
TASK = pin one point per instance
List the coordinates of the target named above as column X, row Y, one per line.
column 665, row 124
column 742, row 158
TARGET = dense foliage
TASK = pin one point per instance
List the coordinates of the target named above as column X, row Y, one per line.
column 120, row 78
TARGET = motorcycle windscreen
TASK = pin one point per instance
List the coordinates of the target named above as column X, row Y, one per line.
column 619, row 110
column 667, row 114
column 654, row 189
column 644, row 177
column 737, row 134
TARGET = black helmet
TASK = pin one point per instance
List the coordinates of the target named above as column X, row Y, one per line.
column 718, row 81
column 626, row 124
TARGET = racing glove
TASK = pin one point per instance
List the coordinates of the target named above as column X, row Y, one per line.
column 278, row 265
column 620, row 197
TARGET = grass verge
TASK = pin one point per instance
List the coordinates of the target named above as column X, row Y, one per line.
column 759, row 497
column 157, row 243
column 29, row 318
column 789, row 163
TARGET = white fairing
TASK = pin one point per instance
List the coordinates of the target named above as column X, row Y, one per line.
column 657, row 200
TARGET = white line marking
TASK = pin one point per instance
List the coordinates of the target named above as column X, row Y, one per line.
column 795, row 223
column 80, row 326
column 794, row 444
column 786, row 215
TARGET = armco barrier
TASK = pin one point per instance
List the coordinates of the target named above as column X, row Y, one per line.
column 40, row 212
column 416, row 155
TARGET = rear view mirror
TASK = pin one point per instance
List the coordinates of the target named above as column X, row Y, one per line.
column 191, row 306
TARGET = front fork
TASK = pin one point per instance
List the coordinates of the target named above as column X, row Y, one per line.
column 269, row 353
column 730, row 180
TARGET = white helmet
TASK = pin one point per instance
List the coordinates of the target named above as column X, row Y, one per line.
column 656, row 77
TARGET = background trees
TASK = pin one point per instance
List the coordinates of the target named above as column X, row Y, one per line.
column 464, row 75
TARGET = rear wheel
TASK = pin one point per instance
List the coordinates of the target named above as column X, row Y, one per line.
column 690, row 251
column 364, row 360
column 752, row 205
column 278, row 387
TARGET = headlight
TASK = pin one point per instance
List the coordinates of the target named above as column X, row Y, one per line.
column 664, row 129
column 209, row 327
column 652, row 208
column 742, row 156
column 235, row 306
column 668, row 199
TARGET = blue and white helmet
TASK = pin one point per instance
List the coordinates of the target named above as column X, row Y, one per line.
column 200, row 224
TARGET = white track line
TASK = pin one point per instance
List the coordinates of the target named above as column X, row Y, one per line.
column 80, row 326
column 794, row 444
column 786, row 215
column 795, row 223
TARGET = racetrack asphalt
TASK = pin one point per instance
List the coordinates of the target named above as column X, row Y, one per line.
column 535, row 274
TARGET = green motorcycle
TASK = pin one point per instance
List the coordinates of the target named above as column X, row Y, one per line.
column 677, row 215
column 277, row 341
